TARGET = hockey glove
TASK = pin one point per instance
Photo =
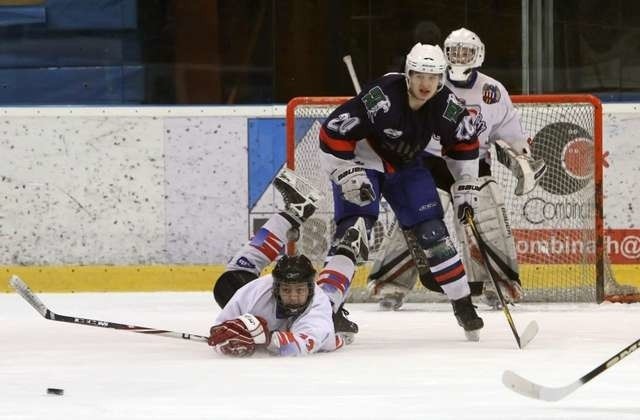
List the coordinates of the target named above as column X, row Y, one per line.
column 465, row 196
column 526, row 170
column 239, row 336
column 354, row 184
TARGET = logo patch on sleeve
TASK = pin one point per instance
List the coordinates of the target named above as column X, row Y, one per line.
column 375, row 101
column 490, row 94
column 454, row 108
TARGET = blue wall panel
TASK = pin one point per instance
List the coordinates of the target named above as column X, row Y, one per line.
column 266, row 152
column 92, row 14
column 22, row 15
column 72, row 85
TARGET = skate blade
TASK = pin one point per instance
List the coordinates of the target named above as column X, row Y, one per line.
column 386, row 306
column 472, row 335
column 347, row 337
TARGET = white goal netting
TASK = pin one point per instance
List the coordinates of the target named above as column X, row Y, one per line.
column 557, row 227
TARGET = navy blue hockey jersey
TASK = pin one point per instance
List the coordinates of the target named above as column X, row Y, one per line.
column 381, row 116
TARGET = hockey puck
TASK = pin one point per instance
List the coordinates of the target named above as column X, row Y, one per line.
column 55, row 391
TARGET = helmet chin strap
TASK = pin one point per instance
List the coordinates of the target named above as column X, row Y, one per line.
column 468, row 82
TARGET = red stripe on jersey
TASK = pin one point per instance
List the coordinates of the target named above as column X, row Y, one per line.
column 464, row 147
column 337, row 145
column 339, row 342
column 271, row 246
column 388, row 168
column 333, row 278
column 285, row 337
column 274, row 242
column 450, row 274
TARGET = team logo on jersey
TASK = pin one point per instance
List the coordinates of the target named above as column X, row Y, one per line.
column 243, row 262
column 454, row 108
column 475, row 111
column 392, row 133
column 490, row 93
column 375, row 101
column 466, row 130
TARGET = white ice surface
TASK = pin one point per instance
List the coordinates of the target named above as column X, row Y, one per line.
column 411, row 364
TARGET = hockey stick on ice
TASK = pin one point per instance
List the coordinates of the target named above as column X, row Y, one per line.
column 23, row 290
column 532, row 329
column 529, row 389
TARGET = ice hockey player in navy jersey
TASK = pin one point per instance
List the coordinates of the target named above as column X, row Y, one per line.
column 285, row 312
column 497, row 123
column 371, row 146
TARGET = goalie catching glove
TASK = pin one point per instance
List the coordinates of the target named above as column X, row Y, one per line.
column 354, row 184
column 526, row 170
column 239, row 336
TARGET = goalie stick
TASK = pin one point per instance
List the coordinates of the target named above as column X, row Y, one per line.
column 23, row 290
column 532, row 329
column 530, row 389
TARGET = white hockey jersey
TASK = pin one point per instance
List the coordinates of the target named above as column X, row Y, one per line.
column 493, row 113
column 310, row 332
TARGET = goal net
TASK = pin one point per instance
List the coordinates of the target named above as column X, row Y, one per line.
column 558, row 227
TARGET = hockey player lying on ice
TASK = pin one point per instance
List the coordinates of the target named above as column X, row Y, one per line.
column 285, row 313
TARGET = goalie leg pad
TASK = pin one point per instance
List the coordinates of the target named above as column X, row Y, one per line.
column 490, row 216
column 393, row 274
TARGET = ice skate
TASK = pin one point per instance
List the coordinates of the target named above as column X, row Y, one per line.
column 391, row 302
column 300, row 197
column 354, row 243
column 467, row 317
column 491, row 299
column 344, row 327
column 390, row 296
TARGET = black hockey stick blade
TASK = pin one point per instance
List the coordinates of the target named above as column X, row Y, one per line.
column 25, row 292
column 523, row 386
column 532, row 329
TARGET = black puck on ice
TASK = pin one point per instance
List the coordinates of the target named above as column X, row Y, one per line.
column 55, row 391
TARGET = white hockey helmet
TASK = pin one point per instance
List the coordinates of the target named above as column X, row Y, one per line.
column 425, row 58
column 464, row 51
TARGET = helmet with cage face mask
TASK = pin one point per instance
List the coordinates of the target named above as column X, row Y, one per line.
column 464, row 52
column 293, row 270
column 425, row 58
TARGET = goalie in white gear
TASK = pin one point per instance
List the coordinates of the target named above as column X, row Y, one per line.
column 496, row 122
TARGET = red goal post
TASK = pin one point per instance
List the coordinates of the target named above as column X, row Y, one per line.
column 558, row 227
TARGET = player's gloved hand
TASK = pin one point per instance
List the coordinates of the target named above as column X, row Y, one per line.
column 511, row 290
column 465, row 196
column 239, row 336
column 354, row 184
